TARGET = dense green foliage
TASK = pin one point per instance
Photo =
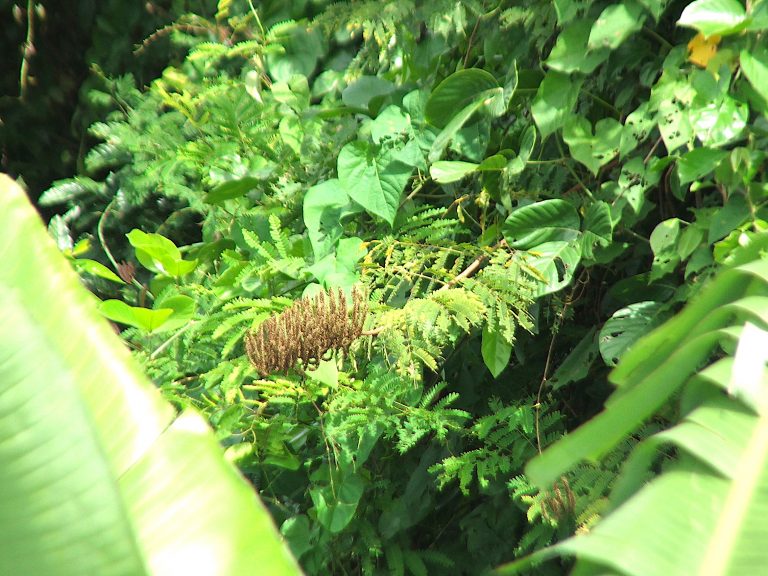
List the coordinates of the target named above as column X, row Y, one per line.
column 522, row 192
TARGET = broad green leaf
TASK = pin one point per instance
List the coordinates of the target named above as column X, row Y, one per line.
column 231, row 189
column 664, row 236
column 325, row 206
column 458, row 91
column 303, row 47
column 735, row 211
column 719, row 123
column 704, row 514
column 578, row 362
column 664, row 245
column 86, row 266
column 340, row 269
column 710, row 17
column 152, row 496
column 392, row 122
column 554, row 101
column 335, row 512
column 570, row 53
column 527, row 143
column 452, row 129
column 690, row 239
column 677, row 349
column 495, row 350
column 674, row 125
column 545, row 221
column 494, row 163
column 446, row 172
column 360, row 93
column 375, row 177
column 625, row 327
column 296, row 531
column 326, row 373
column 615, row 24
column 555, row 263
column 592, row 150
column 754, row 64
column 698, row 163
column 598, row 227
column 565, row 10
column 655, row 7
column 182, row 308
column 637, row 127
column 142, row 318
column 159, row 254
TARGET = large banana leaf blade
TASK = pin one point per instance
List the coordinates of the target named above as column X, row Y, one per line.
column 97, row 474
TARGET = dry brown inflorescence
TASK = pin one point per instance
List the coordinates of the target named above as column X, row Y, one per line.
column 306, row 331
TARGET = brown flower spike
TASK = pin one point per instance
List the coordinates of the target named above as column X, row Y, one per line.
column 306, row 331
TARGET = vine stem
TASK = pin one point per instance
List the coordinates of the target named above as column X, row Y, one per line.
column 107, row 251
column 170, row 340
column 569, row 300
column 572, row 171
column 463, row 275
column 29, row 48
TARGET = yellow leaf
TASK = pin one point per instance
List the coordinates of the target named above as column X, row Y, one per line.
column 702, row 50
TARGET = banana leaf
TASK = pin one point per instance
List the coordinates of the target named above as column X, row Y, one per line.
column 98, row 474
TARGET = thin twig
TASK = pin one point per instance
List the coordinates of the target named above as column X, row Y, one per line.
column 569, row 300
column 170, row 340
column 652, row 150
column 108, row 252
column 29, row 50
column 470, row 41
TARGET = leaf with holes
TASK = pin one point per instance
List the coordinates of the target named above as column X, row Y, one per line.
column 625, row 327
column 592, row 150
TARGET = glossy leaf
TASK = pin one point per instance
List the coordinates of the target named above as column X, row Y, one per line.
column 456, row 92
column 325, row 206
column 362, row 91
column 554, row 101
column 136, row 316
column 719, row 123
column 527, row 144
column 592, row 150
column 555, row 263
column 375, row 177
column 80, row 496
column 446, row 172
column 336, row 511
column 570, row 53
column 231, row 189
column 615, row 24
column 496, row 351
column 545, row 221
column 625, row 327
column 159, row 254
column 698, row 163
column 84, row 265
column 754, row 64
column 578, row 362
column 714, row 17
